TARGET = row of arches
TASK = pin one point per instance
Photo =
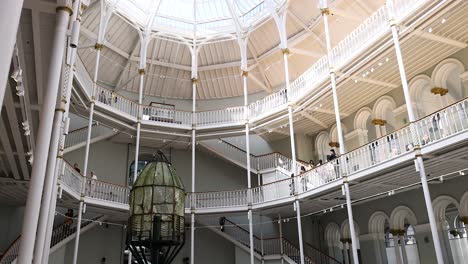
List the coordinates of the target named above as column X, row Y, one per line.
column 394, row 236
column 372, row 123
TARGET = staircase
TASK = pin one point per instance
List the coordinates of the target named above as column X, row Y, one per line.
column 77, row 138
column 258, row 164
column 270, row 246
column 60, row 236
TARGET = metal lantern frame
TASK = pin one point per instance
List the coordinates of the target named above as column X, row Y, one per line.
column 156, row 230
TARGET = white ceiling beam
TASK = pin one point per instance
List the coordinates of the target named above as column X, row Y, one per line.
column 260, row 83
column 307, row 29
column 16, row 131
column 313, row 119
column 429, row 36
column 364, row 6
column 344, row 14
column 252, row 50
column 371, row 81
column 36, row 30
column 135, row 45
column 329, row 112
column 309, row 53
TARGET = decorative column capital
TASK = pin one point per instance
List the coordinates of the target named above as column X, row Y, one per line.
column 325, row 11
column 345, row 240
column 334, row 144
column 379, row 122
column 141, row 71
column 98, row 46
column 285, row 51
column 64, row 8
column 245, row 73
column 194, row 80
column 439, row 91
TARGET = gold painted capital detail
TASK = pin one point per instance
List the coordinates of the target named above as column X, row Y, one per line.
column 379, row 122
column 334, row 144
column 98, row 46
column 325, row 11
column 439, row 91
column 194, row 80
column 285, row 51
column 64, row 8
column 245, row 73
column 141, row 71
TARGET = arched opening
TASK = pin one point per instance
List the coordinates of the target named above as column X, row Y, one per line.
column 383, row 112
column 379, row 228
column 321, row 145
column 332, row 238
column 347, row 241
column 403, row 234
column 334, row 137
column 424, row 102
column 363, row 126
column 447, row 75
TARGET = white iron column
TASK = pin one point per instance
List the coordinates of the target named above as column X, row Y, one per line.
column 33, row 203
column 243, row 50
column 194, row 51
column 59, row 129
column 325, row 13
column 9, row 17
column 106, row 13
column 396, row 247
column 404, row 255
column 280, row 227
column 419, row 161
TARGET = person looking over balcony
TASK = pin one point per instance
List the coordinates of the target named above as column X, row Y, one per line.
column 103, row 98
column 311, row 165
column 92, row 184
column 68, row 221
column 332, row 155
column 222, row 221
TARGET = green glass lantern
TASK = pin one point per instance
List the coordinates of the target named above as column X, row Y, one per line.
column 156, row 230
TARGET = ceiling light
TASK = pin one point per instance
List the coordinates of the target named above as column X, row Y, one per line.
column 429, row 30
column 363, row 75
column 380, row 64
column 367, row 72
column 355, row 81
column 443, row 20
column 372, row 70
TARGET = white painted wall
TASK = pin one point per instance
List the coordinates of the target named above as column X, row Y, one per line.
column 258, row 146
column 10, row 216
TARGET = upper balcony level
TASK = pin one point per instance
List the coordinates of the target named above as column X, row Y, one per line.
column 347, row 59
column 379, row 167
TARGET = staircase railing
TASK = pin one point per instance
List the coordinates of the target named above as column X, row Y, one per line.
column 318, row 256
column 79, row 136
column 58, row 234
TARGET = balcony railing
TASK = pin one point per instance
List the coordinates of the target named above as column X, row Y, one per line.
column 79, row 136
column 440, row 125
column 358, row 41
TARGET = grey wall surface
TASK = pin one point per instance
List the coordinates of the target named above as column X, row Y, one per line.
column 11, row 218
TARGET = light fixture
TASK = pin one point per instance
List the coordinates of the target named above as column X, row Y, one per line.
column 380, row 64
column 429, row 30
column 387, row 59
column 462, row 173
column 443, row 20
column 355, row 81
column 372, row 70
column 17, row 75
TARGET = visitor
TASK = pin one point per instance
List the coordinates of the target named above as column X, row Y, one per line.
column 92, row 184
column 222, row 222
column 311, row 165
column 291, row 185
column 68, row 221
column 320, row 163
column 332, row 154
column 102, row 98
column 303, row 169
column 103, row 260
column 75, row 166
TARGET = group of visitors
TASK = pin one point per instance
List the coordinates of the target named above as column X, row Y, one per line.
column 91, row 182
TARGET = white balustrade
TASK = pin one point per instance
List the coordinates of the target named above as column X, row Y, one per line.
column 222, row 116
column 105, row 191
column 80, row 135
column 165, row 115
column 116, row 101
column 206, row 200
column 268, row 104
column 71, row 178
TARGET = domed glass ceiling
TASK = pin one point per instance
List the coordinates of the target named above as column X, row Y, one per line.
column 207, row 18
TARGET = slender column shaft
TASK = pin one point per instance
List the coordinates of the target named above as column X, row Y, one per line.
column 194, row 121
column 86, row 159
column 339, row 130
column 397, row 249
column 290, row 110
column 419, row 160
column 378, row 131
column 261, row 239
column 9, row 15
column 299, row 230
column 280, row 227
column 345, row 253
column 49, row 197
column 403, row 249
column 31, row 215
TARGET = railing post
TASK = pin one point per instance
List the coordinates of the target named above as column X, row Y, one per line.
column 32, row 209
column 280, row 227
column 325, row 12
column 419, row 163
column 194, row 52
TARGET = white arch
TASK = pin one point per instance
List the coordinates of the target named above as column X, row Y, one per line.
column 440, row 205
column 332, row 235
column 399, row 215
column 463, row 209
column 321, row 144
column 383, row 109
column 345, row 232
column 420, row 89
column 447, row 75
column 377, row 222
column 361, row 118
column 334, row 132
